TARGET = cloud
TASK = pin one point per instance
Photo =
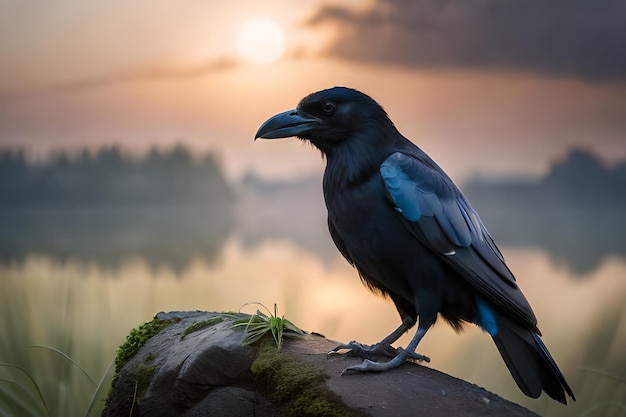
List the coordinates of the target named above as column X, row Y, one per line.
column 578, row 38
column 145, row 75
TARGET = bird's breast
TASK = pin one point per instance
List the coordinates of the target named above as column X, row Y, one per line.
column 370, row 228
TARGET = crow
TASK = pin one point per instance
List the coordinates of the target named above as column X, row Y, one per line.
column 398, row 218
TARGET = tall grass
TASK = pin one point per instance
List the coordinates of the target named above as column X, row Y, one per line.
column 22, row 396
column 41, row 374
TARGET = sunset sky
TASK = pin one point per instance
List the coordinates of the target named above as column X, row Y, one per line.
column 485, row 87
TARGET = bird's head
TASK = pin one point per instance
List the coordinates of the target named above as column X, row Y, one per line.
column 329, row 117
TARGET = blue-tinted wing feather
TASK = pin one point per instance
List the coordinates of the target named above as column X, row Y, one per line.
column 440, row 217
column 416, row 190
column 402, row 190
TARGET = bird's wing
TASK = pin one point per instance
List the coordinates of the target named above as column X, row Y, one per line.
column 440, row 217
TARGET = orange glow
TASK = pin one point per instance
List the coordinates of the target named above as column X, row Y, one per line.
column 261, row 41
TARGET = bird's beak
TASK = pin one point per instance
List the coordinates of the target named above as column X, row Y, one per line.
column 286, row 124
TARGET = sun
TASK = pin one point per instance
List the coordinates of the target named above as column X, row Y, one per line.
column 261, row 41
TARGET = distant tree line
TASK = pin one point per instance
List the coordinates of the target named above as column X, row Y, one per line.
column 581, row 179
column 575, row 213
column 110, row 177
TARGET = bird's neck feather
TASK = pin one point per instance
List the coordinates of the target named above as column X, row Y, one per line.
column 357, row 158
column 349, row 165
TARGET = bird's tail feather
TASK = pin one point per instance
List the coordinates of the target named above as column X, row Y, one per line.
column 531, row 365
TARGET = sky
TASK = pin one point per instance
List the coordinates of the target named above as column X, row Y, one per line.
column 489, row 87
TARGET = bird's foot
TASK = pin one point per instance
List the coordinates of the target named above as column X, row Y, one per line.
column 371, row 366
column 369, row 352
column 365, row 351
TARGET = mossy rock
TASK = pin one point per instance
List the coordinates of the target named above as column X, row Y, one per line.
column 136, row 339
column 168, row 375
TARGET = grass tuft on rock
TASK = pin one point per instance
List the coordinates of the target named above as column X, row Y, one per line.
column 258, row 325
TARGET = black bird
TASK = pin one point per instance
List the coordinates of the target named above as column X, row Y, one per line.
column 396, row 216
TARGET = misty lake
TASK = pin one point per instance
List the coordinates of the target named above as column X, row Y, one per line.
column 78, row 280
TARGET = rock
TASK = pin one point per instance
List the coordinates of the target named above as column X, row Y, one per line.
column 229, row 402
column 197, row 367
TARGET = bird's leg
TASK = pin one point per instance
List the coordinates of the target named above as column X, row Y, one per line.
column 399, row 359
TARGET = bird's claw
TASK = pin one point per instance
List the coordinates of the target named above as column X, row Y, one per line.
column 372, row 366
column 365, row 351
column 365, row 366
column 352, row 346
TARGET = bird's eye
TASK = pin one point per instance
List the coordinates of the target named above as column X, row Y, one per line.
column 328, row 107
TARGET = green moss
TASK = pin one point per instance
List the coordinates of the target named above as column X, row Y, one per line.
column 144, row 376
column 231, row 313
column 136, row 339
column 199, row 325
column 297, row 386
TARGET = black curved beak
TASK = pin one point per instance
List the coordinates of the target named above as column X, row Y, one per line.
column 286, row 124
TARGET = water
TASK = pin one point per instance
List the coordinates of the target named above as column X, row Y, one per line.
column 79, row 280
